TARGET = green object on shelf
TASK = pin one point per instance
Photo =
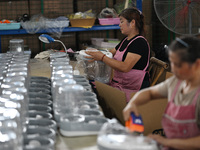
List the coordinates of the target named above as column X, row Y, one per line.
column 42, row 6
column 106, row 3
column 120, row 6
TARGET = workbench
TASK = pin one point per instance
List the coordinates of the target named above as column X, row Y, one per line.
column 40, row 67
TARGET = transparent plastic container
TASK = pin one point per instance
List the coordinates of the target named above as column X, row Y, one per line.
column 16, row 45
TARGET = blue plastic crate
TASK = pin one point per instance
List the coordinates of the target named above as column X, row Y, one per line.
column 9, row 26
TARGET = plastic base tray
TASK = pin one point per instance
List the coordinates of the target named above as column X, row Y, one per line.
column 9, row 26
column 87, row 127
column 87, row 112
column 77, row 133
column 125, row 142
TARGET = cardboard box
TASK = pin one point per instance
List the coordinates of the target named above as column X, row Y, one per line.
column 89, row 22
column 114, row 102
column 101, row 43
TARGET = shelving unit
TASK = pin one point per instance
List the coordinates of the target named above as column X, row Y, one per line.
column 72, row 36
column 68, row 29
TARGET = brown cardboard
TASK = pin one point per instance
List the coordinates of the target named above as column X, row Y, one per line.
column 115, row 100
column 89, row 22
column 152, row 114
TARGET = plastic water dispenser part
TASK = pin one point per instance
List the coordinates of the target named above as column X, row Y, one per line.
column 84, row 55
column 16, row 45
column 125, row 142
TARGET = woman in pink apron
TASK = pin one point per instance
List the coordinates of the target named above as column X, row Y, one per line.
column 181, row 119
column 131, row 55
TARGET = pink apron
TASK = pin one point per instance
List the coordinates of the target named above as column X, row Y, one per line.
column 179, row 121
column 130, row 81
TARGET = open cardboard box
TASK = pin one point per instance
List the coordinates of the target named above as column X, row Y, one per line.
column 114, row 102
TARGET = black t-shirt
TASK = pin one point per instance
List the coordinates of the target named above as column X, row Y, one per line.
column 138, row 46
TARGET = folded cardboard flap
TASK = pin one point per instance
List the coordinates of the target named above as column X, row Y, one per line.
column 115, row 99
column 152, row 114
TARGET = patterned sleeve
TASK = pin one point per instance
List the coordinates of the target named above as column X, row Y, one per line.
column 165, row 87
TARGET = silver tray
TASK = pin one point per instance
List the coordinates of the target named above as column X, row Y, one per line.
column 86, row 112
column 38, row 143
column 39, row 114
column 39, row 90
column 41, row 102
column 90, row 125
column 43, row 96
column 42, row 108
column 33, row 122
column 33, row 132
column 89, row 100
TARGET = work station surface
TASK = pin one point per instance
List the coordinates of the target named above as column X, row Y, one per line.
column 40, row 67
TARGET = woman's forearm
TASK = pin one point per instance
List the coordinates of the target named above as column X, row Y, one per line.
column 117, row 65
column 142, row 97
column 185, row 144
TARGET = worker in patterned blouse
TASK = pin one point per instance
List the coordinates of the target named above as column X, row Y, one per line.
column 131, row 55
column 181, row 119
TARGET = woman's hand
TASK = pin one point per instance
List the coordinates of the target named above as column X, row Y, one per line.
column 97, row 55
column 160, row 139
column 130, row 107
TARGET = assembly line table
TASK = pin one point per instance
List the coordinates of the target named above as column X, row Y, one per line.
column 40, row 67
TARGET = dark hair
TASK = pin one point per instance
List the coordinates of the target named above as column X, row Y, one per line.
column 187, row 47
column 133, row 13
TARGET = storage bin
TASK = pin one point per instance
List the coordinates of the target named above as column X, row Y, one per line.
column 109, row 21
column 89, row 22
column 56, row 24
column 9, row 26
column 101, row 43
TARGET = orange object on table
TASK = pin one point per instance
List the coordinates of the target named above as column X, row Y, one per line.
column 135, row 123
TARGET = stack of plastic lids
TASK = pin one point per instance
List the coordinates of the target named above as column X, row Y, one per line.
column 26, row 106
column 42, row 128
column 75, row 105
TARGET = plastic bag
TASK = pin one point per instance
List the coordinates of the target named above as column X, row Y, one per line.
column 36, row 23
column 85, row 68
column 108, row 13
column 79, row 68
column 96, row 70
column 56, row 26
column 52, row 26
column 103, row 72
